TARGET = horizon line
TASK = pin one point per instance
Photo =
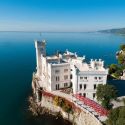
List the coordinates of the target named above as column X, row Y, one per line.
column 50, row 31
column 35, row 31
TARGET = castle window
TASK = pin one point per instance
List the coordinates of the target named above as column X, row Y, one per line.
column 57, row 86
column 94, row 86
column 57, row 78
column 85, row 78
column 95, row 78
column 100, row 78
column 70, row 84
column 65, row 70
column 84, row 86
column 65, row 77
column 84, row 94
column 65, row 84
column 81, row 77
column 71, row 76
column 93, row 95
column 57, row 71
column 80, row 86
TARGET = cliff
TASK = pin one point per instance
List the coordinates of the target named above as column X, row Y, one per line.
column 49, row 103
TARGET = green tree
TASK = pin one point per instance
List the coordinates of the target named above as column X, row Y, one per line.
column 113, row 117
column 122, row 112
column 120, row 121
column 116, row 116
column 105, row 93
column 122, row 47
column 121, row 59
column 113, row 68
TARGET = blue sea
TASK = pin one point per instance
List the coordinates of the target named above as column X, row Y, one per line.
column 18, row 62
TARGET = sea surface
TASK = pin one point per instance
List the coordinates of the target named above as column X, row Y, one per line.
column 18, row 62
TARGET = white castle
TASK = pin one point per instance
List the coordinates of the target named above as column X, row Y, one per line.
column 65, row 70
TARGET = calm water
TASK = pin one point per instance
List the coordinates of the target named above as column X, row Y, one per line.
column 17, row 63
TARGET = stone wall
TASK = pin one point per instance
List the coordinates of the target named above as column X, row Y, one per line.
column 79, row 117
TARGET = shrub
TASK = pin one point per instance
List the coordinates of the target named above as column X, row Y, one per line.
column 122, row 47
column 105, row 93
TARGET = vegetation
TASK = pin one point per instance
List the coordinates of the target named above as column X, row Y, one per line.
column 61, row 102
column 105, row 93
column 121, row 59
column 113, row 68
column 121, row 55
column 116, row 70
column 122, row 47
column 117, row 116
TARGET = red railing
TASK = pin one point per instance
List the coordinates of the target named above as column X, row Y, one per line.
column 67, row 101
column 97, row 107
column 47, row 94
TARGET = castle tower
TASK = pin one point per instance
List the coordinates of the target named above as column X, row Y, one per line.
column 40, row 52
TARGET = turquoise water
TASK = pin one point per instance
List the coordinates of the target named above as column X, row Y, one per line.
column 17, row 63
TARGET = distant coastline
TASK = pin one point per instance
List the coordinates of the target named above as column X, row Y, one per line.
column 119, row 31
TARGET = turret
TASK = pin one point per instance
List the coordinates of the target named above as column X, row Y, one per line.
column 97, row 64
column 40, row 51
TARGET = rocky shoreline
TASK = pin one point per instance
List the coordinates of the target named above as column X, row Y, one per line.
column 39, row 111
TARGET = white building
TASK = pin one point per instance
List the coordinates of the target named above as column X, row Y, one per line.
column 68, row 70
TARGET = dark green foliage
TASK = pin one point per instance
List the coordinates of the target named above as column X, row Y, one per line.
column 61, row 102
column 122, row 67
column 121, row 59
column 105, row 93
column 117, row 70
column 113, row 68
column 116, row 116
column 120, row 121
column 118, row 73
column 67, row 108
column 122, row 47
column 113, row 117
column 122, row 112
column 121, row 56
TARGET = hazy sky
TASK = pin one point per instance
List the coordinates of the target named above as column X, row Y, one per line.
column 61, row 15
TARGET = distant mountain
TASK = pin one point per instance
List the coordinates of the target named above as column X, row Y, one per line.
column 120, row 31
